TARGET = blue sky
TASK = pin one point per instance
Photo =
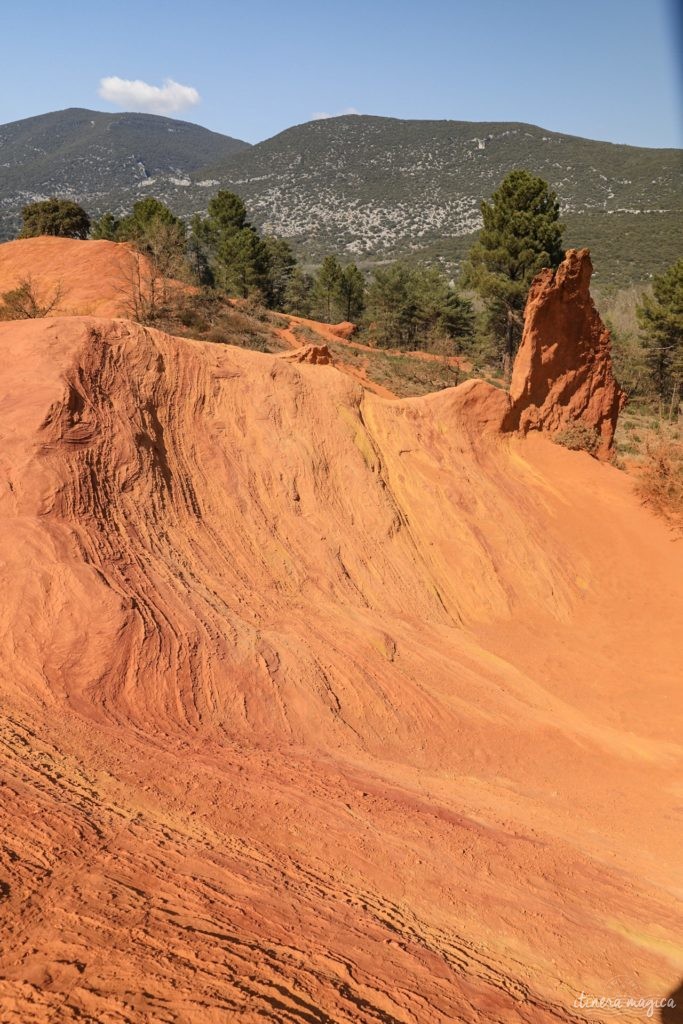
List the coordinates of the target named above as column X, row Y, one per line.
column 604, row 69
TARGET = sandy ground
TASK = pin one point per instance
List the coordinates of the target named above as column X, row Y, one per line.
column 93, row 277
column 318, row 705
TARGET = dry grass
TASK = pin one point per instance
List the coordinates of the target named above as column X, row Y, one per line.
column 405, row 375
column 660, row 477
column 25, row 302
column 578, row 438
column 208, row 316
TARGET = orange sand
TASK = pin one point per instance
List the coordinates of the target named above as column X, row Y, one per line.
column 94, row 276
column 320, row 706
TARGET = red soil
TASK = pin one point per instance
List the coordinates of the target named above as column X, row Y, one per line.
column 94, row 276
column 319, row 706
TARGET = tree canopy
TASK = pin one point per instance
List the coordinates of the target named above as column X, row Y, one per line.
column 59, row 217
column 521, row 235
column 281, row 264
column 351, row 293
column 410, row 306
column 661, row 319
column 326, row 289
column 337, row 291
column 298, row 293
column 231, row 251
column 156, row 232
column 105, row 227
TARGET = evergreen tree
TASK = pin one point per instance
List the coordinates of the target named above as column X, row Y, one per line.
column 241, row 266
column 416, row 307
column 60, row 217
column 521, row 235
column 198, row 258
column 441, row 311
column 392, row 306
column 226, row 213
column 158, row 234
column 230, row 248
column 351, row 293
column 326, row 290
column 106, row 227
column 661, row 317
column 147, row 213
column 281, row 264
column 298, row 294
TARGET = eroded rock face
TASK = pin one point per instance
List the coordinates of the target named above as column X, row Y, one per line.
column 563, row 371
column 316, row 354
column 312, row 700
column 344, row 330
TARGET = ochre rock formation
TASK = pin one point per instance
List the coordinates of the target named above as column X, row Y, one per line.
column 94, row 277
column 319, row 706
column 562, row 374
column 344, row 330
column 316, row 354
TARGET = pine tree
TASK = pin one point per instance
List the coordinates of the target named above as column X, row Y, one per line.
column 226, row 212
column 416, row 307
column 661, row 318
column 158, row 234
column 106, row 227
column 227, row 250
column 351, row 292
column 441, row 311
column 241, row 266
column 198, row 256
column 326, row 290
column 298, row 294
column 521, row 235
column 281, row 264
column 392, row 306
column 146, row 212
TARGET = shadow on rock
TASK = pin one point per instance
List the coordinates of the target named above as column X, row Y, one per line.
column 673, row 1014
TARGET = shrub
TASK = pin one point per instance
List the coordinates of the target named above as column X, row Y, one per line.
column 25, row 303
column 234, row 327
column 60, row 217
column 578, row 438
column 660, row 483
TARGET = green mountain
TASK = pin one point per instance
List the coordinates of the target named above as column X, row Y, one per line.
column 376, row 188
column 103, row 161
column 368, row 188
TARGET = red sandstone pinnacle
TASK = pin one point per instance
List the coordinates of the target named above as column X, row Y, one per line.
column 563, row 371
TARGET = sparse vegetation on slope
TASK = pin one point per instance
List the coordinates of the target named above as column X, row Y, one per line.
column 366, row 188
column 375, row 188
column 104, row 161
column 29, row 301
column 660, row 482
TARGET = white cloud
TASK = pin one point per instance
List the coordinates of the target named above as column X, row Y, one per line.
column 152, row 99
column 322, row 115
